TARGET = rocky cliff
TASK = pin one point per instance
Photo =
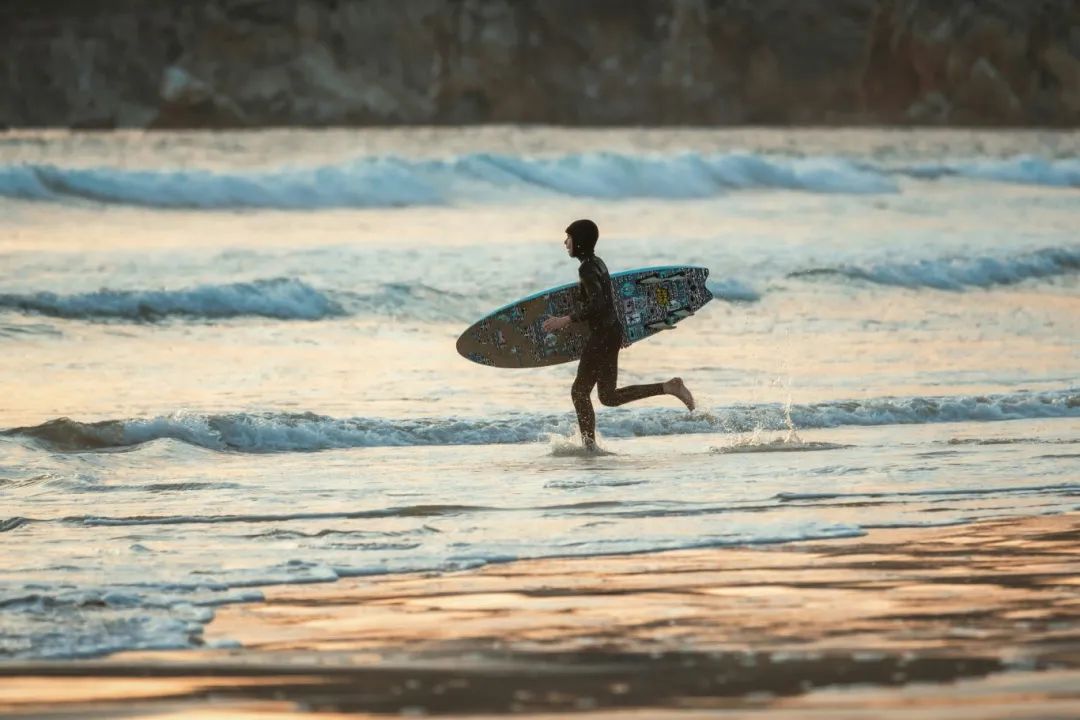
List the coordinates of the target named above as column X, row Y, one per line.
column 228, row 63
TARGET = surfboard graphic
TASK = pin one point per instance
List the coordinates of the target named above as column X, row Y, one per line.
column 649, row 300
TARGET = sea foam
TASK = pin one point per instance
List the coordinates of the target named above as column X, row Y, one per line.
column 306, row 432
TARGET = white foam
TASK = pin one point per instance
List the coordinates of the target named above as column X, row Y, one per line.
column 571, row 446
column 780, row 444
column 98, row 621
column 270, row 432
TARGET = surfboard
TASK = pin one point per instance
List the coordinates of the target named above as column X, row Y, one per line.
column 648, row 301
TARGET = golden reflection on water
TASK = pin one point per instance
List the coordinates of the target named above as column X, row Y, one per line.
column 971, row 589
column 994, row 594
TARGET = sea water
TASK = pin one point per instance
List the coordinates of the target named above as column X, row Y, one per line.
column 228, row 358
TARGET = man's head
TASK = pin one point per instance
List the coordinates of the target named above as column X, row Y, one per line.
column 581, row 236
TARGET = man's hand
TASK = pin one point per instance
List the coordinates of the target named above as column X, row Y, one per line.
column 554, row 324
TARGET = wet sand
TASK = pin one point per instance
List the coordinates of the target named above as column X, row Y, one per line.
column 976, row 621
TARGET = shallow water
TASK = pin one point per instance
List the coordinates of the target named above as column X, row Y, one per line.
column 229, row 358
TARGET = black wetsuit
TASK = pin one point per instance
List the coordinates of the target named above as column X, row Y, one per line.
column 600, row 358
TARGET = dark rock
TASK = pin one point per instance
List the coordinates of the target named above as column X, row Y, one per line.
column 225, row 63
column 987, row 93
column 932, row 109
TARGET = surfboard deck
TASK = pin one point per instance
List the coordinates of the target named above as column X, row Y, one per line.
column 649, row 300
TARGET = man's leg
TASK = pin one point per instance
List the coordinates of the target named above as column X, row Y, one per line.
column 587, row 372
column 609, row 376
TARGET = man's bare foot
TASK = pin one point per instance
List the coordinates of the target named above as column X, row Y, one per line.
column 676, row 387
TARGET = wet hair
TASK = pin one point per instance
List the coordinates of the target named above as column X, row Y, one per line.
column 584, row 233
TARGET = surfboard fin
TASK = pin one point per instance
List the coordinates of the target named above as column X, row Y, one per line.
column 672, row 318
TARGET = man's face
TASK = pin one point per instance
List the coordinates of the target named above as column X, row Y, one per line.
column 568, row 243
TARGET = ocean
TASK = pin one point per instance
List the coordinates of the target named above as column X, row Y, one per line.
column 229, row 357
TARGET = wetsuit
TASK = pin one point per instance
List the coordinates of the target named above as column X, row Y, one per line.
column 600, row 358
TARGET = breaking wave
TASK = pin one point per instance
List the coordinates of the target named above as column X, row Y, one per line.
column 293, row 299
column 397, row 181
column 958, row 273
column 282, row 432
column 391, row 181
column 1020, row 170
column 284, row 298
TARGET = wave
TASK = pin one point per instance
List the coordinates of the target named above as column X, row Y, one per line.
column 392, row 181
column 958, row 273
column 284, row 298
column 931, row 492
column 421, row 511
column 378, row 182
column 1010, row 441
column 1020, row 169
column 284, row 432
column 418, row 301
column 293, row 299
column 21, row 331
column 396, row 181
column 12, row 523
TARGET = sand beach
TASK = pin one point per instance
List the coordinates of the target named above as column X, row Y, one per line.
column 974, row 621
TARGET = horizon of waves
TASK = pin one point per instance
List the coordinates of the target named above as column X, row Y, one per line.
column 290, row 298
column 392, row 180
column 1019, row 170
column 285, row 298
column 957, row 272
column 395, row 181
column 400, row 181
column 308, row 432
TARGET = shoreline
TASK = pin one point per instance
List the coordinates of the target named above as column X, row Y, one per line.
column 960, row 621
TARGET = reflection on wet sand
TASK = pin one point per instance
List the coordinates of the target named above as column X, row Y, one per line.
column 868, row 627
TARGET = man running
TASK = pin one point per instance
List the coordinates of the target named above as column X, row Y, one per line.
column 600, row 358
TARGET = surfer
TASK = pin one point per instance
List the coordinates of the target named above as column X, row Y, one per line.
column 599, row 364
